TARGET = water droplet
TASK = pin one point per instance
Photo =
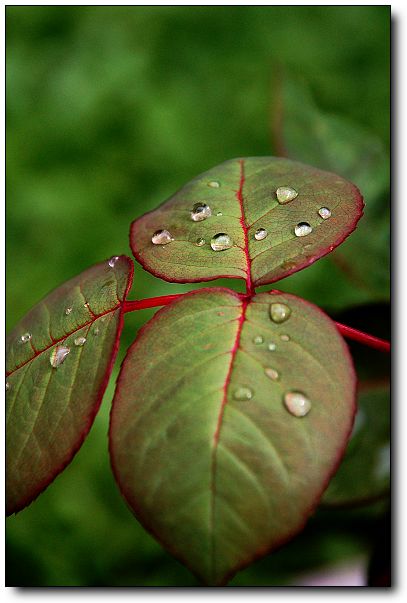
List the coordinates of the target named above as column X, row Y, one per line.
column 7, row 385
column 325, row 213
column 242, row 394
column 200, row 242
column 221, row 241
column 96, row 331
column 286, row 194
column 80, row 341
column 68, row 311
column 302, row 229
column 258, row 339
column 86, row 305
column 214, row 183
column 25, row 338
column 297, row 404
column 271, row 347
column 113, row 261
column 285, row 337
column 272, row 373
column 200, row 212
column 219, row 213
column 58, row 355
column 161, row 237
column 260, row 234
column 279, row 312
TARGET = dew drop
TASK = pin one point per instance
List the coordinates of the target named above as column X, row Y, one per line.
column 302, row 229
column 297, row 404
column 113, row 261
column 161, row 237
column 58, row 355
column 221, row 241
column 200, row 242
column 80, row 341
column 214, row 184
column 279, row 312
column 200, row 211
column 7, row 385
column 271, row 347
column 258, row 339
column 242, row 394
column 219, row 213
column 272, row 373
column 25, row 338
column 325, row 213
column 285, row 337
column 260, row 234
column 285, row 194
column 68, row 311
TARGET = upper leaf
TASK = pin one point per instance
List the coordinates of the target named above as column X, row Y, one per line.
column 202, row 444
column 241, row 194
column 50, row 409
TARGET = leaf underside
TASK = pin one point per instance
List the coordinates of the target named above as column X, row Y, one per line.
column 50, row 410
column 246, row 198
column 217, row 480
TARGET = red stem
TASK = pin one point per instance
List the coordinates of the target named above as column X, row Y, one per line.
column 349, row 332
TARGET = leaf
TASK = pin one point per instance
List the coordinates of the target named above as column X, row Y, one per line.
column 246, row 199
column 218, row 480
column 49, row 411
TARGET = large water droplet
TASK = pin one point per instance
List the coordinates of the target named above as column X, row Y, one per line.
column 258, row 339
column 325, row 213
column 113, row 261
column 25, row 338
column 286, row 194
column 58, row 355
column 271, row 346
column 200, row 212
column 302, row 229
column 285, row 337
column 260, row 234
column 7, row 385
column 200, row 242
column 219, row 213
column 279, row 312
column 221, row 241
column 80, row 341
column 242, row 394
column 272, row 373
column 68, row 311
column 214, row 183
column 161, row 237
column 297, row 404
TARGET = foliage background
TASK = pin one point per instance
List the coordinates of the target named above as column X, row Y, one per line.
column 112, row 109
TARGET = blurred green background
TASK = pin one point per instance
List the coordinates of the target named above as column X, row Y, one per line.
column 112, row 109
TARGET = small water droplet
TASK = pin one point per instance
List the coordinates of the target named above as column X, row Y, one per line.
column 302, row 229
column 68, row 311
column 285, row 194
column 325, row 213
column 279, row 312
column 221, row 241
column 161, row 237
column 58, row 355
column 214, row 183
column 297, row 404
column 260, row 234
column 96, row 331
column 271, row 347
column 200, row 242
column 272, row 373
column 200, row 212
column 113, row 261
column 7, row 385
column 25, row 338
column 242, row 394
column 86, row 305
column 285, row 337
column 80, row 341
column 258, row 339
column 219, row 213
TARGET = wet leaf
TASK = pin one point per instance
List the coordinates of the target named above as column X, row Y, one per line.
column 241, row 194
column 55, row 379
column 202, row 444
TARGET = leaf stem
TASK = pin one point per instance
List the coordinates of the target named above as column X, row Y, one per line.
column 370, row 340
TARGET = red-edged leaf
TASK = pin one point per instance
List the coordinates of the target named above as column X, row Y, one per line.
column 243, row 201
column 49, row 410
column 202, row 445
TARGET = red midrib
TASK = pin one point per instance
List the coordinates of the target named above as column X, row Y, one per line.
column 239, row 197
column 216, row 436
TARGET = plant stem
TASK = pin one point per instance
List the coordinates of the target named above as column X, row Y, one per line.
column 370, row 340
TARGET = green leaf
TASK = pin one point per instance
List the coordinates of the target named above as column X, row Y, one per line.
column 49, row 410
column 242, row 201
column 202, row 445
